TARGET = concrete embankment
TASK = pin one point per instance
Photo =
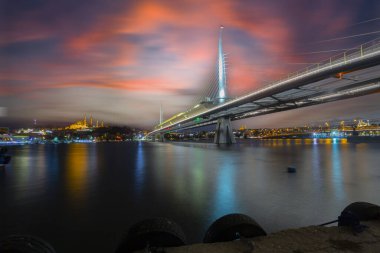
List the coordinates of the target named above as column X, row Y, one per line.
column 302, row 240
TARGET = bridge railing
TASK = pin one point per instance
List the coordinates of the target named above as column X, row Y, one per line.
column 345, row 57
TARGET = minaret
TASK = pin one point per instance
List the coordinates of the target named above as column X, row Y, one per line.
column 102, row 124
column 161, row 114
column 85, row 120
column 97, row 123
column 222, row 84
column 91, row 120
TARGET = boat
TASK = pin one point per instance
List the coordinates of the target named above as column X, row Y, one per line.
column 4, row 158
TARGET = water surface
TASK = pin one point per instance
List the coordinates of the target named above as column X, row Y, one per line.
column 82, row 197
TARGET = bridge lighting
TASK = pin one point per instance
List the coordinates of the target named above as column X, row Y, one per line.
column 196, row 106
column 341, row 74
column 348, row 92
column 222, row 84
column 222, row 94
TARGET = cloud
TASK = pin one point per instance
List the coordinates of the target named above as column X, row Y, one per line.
column 168, row 48
column 129, row 85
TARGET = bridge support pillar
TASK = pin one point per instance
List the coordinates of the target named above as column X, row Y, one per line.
column 223, row 132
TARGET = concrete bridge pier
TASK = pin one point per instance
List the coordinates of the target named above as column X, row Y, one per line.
column 158, row 137
column 223, row 133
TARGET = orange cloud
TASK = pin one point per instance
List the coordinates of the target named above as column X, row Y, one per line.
column 129, row 85
column 150, row 18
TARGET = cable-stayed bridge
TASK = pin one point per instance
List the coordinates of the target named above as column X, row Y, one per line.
column 354, row 73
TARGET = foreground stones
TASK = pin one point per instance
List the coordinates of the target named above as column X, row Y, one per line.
column 314, row 239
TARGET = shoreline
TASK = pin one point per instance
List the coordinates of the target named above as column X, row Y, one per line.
column 297, row 240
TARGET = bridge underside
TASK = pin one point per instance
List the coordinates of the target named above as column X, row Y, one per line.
column 333, row 88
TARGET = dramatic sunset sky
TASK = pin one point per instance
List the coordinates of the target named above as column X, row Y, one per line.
column 118, row 60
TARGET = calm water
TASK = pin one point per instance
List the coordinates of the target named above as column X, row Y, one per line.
column 82, row 197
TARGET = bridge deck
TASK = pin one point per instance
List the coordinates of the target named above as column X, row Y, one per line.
column 355, row 73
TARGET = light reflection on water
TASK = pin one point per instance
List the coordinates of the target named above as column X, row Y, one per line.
column 225, row 190
column 77, row 172
column 140, row 167
column 92, row 192
column 337, row 180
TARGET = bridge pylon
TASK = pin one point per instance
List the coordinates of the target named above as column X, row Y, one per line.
column 158, row 137
column 221, row 70
column 223, row 132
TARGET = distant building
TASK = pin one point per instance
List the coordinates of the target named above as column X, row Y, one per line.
column 83, row 124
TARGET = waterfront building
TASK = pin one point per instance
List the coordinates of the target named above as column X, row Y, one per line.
column 83, row 124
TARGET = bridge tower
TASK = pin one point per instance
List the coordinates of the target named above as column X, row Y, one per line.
column 223, row 132
column 222, row 81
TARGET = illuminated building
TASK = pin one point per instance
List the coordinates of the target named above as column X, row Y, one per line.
column 82, row 124
column 362, row 123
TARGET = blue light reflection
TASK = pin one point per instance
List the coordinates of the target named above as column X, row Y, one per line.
column 225, row 199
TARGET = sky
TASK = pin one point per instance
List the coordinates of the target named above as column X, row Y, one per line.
column 119, row 60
